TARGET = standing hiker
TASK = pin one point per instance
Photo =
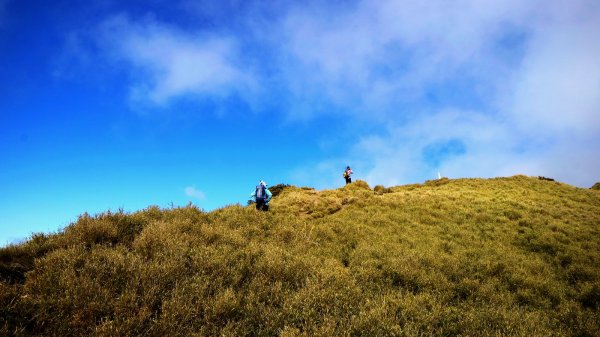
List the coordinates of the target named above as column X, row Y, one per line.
column 348, row 175
column 261, row 196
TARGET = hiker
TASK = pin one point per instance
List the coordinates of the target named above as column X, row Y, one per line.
column 261, row 196
column 347, row 175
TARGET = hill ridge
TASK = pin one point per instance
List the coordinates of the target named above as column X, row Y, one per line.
column 502, row 256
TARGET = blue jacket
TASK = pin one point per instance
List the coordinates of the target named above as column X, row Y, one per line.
column 269, row 196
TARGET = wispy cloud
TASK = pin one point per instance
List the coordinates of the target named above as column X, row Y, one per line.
column 471, row 88
column 515, row 84
column 192, row 192
column 169, row 63
column 470, row 141
column 377, row 55
column 557, row 87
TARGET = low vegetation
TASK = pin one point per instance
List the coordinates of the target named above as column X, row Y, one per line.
column 512, row 256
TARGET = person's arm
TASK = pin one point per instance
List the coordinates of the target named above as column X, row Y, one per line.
column 252, row 196
column 269, row 195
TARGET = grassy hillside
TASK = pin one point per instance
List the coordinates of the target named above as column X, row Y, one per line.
column 512, row 256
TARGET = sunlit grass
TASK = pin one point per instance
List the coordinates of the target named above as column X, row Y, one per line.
column 512, row 256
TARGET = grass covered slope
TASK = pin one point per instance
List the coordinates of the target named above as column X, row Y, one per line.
column 507, row 256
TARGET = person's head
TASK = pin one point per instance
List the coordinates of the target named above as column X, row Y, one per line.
column 263, row 183
column 347, row 167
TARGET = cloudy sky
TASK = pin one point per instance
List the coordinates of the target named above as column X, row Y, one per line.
column 124, row 104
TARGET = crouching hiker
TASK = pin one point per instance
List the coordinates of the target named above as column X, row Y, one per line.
column 261, row 196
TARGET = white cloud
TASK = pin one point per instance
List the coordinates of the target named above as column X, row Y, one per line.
column 401, row 156
column 558, row 87
column 170, row 63
column 192, row 192
column 380, row 53
column 533, row 69
column 517, row 82
column 491, row 148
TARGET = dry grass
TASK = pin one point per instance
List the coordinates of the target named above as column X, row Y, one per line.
column 512, row 256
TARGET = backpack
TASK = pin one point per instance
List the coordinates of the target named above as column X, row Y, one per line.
column 261, row 193
column 345, row 174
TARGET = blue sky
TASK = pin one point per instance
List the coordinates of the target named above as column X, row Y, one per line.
column 126, row 104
